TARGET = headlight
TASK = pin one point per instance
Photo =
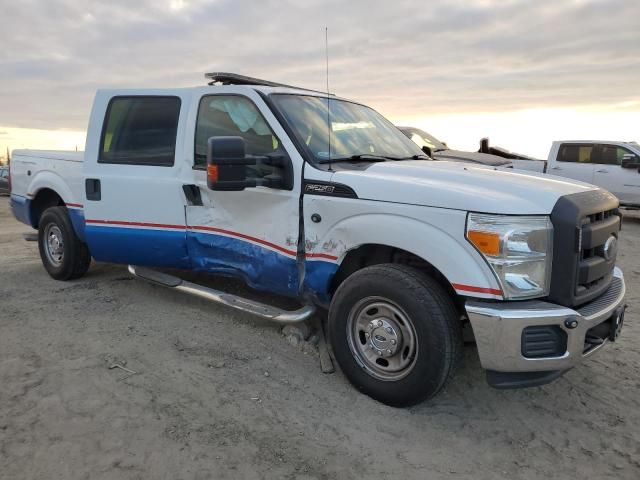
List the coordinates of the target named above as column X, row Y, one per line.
column 518, row 249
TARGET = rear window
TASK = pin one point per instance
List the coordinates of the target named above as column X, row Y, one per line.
column 140, row 131
column 575, row 153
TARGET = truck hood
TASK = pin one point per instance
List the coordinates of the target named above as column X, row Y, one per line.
column 460, row 186
column 473, row 157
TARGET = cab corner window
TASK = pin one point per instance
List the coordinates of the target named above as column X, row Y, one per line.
column 140, row 131
column 236, row 116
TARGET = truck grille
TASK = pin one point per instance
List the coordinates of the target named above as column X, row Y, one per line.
column 583, row 223
column 594, row 270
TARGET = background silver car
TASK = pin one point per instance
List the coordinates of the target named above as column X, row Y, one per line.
column 4, row 180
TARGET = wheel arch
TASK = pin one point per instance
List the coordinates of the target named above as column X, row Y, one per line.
column 440, row 251
column 43, row 199
column 375, row 254
column 47, row 189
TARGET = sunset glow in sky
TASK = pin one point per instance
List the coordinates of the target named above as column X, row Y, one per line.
column 523, row 73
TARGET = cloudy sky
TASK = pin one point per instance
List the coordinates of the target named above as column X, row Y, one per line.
column 522, row 72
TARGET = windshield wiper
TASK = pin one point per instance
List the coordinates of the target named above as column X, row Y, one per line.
column 365, row 157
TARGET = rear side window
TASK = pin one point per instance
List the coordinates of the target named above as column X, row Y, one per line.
column 575, row 153
column 140, row 131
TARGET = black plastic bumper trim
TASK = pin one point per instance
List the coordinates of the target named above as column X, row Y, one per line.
column 511, row 380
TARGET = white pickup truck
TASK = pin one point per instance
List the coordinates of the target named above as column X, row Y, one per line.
column 322, row 199
column 614, row 166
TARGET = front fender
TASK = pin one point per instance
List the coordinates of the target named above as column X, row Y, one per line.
column 435, row 235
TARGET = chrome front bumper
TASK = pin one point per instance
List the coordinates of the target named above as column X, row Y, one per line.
column 497, row 328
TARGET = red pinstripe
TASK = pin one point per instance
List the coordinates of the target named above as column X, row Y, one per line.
column 244, row 237
column 471, row 288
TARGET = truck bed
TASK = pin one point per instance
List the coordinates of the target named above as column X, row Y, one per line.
column 34, row 170
column 66, row 155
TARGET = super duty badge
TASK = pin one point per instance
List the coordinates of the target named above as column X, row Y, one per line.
column 329, row 189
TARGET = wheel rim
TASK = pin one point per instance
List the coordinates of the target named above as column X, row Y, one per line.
column 382, row 338
column 54, row 244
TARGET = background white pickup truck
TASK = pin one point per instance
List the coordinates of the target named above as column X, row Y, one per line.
column 614, row 166
column 322, row 199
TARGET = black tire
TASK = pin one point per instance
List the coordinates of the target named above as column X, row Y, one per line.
column 436, row 333
column 75, row 259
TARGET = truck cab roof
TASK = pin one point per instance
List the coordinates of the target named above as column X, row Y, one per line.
column 220, row 80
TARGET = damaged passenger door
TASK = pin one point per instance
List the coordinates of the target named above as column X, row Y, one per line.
column 251, row 233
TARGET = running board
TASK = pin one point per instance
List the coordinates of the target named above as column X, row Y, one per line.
column 265, row 311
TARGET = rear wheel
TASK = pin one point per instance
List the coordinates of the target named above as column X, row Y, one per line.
column 395, row 333
column 63, row 255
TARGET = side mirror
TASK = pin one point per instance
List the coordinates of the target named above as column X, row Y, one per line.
column 226, row 164
column 629, row 160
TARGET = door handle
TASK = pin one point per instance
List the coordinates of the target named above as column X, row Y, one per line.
column 602, row 171
column 192, row 194
column 92, row 189
column 556, row 168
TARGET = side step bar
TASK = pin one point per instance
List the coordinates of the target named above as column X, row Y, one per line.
column 265, row 311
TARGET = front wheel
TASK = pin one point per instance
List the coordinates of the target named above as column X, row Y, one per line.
column 63, row 254
column 395, row 333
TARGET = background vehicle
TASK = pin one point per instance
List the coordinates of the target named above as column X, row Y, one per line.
column 440, row 151
column 610, row 165
column 4, row 180
column 486, row 155
column 324, row 200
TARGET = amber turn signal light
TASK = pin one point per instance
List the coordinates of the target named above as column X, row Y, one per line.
column 212, row 173
column 487, row 242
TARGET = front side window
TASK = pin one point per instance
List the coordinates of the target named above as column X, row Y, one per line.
column 575, row 153
column 612, row 154
column 140, row 131
column 335, row 129
column 235, row 116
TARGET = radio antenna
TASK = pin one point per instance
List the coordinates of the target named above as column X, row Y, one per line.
column 326, row 54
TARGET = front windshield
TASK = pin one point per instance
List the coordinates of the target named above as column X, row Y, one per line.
column 356, row 130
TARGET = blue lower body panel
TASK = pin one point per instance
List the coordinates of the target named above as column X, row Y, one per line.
column 77, row 220
column 21, row 208
column 317, row 278
column 261, row 268
column 138, row 246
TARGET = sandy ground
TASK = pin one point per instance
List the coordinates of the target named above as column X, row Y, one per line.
column 219, row 394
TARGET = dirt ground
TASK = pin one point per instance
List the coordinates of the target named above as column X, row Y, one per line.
column 219, row 394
